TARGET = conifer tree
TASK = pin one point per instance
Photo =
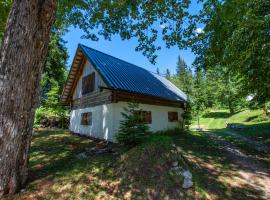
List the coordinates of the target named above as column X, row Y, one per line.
column 184, row 76
column 168, row 74
column 157, row 71
column 200, row 97
column 132, row 130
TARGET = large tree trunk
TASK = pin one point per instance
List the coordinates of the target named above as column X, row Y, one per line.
column 22, row 54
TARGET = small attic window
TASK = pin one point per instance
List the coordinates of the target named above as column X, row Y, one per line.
column 88, row 83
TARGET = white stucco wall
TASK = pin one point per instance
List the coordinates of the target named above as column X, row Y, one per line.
column 88, row 69
column 106, row 119
column 102, row 118
column 159, row 116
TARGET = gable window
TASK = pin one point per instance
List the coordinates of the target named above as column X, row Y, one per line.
column 145, row 116
column 86, row 119
column 88, row 83
column 173, row 116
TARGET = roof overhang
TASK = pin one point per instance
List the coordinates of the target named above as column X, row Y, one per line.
column 77, row 66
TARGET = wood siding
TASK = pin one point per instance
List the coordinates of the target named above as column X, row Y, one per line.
column 93, row 99
column 132, row 97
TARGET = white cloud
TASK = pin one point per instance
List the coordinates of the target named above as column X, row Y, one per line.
column 199, row 30
column 162, row 26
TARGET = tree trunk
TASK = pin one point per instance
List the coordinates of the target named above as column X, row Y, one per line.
column 22, row 54
column 198, row 120
column 231, row 108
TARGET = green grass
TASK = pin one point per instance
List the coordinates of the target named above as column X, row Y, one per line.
column 257, row 128
column 256, row 123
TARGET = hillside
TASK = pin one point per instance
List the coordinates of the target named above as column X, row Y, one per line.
column 254, row 124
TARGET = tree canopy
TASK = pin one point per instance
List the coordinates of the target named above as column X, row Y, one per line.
column 236, row 38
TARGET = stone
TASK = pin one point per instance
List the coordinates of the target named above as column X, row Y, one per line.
column 187, row 183
column 187, row 179
column 81, row 155
column 187, row 174
column 175, row 164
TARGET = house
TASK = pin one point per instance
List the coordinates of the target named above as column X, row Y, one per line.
column 99, row 86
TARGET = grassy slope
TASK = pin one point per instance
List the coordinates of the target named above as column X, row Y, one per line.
column 258, row 125
column 257, row 129
column 140, row 173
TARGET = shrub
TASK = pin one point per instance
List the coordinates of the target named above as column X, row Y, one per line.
column 132, row 131
column 51, row 117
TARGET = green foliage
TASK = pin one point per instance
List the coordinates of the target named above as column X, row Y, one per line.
column 132, row 131
column 5, row 6
column 236, row 38
column 55, row 72
column 267, row 105
column 184, row 76
column 199, row 98
column 53, row 79
column 168, row 74
column 187, row 116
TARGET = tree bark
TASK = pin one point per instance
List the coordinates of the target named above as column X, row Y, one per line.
column 22, row 54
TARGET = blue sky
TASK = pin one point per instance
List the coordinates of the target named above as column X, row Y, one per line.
column 125, row 50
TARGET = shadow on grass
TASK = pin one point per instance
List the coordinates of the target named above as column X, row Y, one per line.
column 214, row 172
column 56, row 172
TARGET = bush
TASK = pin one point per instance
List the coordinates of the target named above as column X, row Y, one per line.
column 51, row 117
column 132, row 131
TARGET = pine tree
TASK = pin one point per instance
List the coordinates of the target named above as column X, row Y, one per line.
column 132, row 131
column 184, row 76
column 187, row 116
column 200, row 95
column 168, row 74
column 157, row 71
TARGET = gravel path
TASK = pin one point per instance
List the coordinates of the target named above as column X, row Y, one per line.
column 249, row 171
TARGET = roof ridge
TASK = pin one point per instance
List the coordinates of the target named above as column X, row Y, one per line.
column 114, row 57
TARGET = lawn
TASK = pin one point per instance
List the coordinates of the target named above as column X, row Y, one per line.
column 257, row 125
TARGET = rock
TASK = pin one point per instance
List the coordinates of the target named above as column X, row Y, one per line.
column 175, row 164
column 187, row 179
column 187, row 174
column 177, row 168
column 81, row 155
column 187, row 183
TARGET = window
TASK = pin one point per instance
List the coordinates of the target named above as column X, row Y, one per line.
column 88, row 83
column 173, row 116
column 86, row 118
column 145, row 116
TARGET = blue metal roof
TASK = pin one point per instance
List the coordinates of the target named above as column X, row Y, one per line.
column 119, row 74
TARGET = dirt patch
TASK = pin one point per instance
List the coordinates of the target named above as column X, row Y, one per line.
column 253, row 144
column 248, row 172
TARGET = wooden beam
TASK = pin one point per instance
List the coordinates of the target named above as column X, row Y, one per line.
column 77, row 77
column 129, row 97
